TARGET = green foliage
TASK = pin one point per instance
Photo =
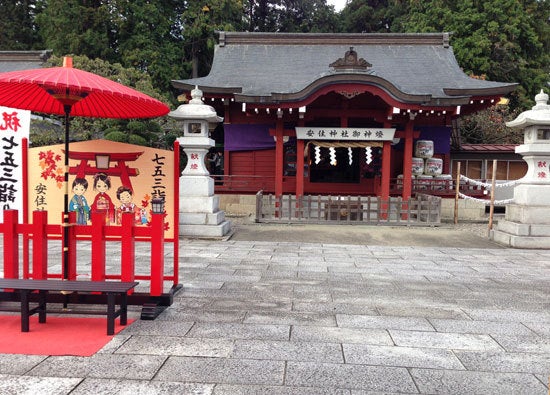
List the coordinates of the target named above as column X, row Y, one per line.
column 137, row 140
column 199, row 22
column 367, row 16
column 148, row 39
column 303, row 16
column 18, row 30
column 116, row 135
column 488, row 127
column 45, row 132
column 506, row 40
column 77, row 26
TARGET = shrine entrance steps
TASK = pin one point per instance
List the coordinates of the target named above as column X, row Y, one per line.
column 422, row 209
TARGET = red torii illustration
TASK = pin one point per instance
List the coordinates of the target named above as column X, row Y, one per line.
column 120, row 169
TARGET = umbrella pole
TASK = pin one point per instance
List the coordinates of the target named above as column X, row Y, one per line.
column 66, row 198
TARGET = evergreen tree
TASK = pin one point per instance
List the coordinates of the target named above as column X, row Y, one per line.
column 17, row 25
column 372, row 16
column 304, row 16
column 82, row 27
column 199, row 22
column 148, row 38
column 504, row 40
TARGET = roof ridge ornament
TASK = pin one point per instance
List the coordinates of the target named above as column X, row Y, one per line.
column 350, row 62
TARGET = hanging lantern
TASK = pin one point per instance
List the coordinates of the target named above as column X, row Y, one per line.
column 157, row 205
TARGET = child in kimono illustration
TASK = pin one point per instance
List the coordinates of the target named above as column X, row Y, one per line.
column 78, row 202
column 102, row 202
column 125, row 196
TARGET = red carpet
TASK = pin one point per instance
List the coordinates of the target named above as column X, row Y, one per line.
column 58, row 336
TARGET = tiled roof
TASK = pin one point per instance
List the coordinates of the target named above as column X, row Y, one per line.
column 488, row 147
column 22, row 60
column 276, row 67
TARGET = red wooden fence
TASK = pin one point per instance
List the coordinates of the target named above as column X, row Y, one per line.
column 39, row 232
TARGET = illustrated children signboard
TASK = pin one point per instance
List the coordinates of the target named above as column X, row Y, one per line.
column 14, row 126
column 104, row 176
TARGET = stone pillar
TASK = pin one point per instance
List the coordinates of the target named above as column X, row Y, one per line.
column 199, row 214
column 527, row 220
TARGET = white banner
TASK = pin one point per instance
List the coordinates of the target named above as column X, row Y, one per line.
column 355, row 134
column 14, row 126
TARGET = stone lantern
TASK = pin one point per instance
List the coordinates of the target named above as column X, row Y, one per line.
column 199, row 214
column 527, row 220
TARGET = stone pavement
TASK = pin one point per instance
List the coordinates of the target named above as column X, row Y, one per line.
column 295, row 317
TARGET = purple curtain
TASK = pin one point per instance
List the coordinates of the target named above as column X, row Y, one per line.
column 248, row 137
column 256, row 137
column 440, row 135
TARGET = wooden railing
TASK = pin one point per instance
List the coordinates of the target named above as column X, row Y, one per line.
column 422, row 209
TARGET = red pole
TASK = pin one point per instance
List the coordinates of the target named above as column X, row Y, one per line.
column 128, row 252
column 39, row 245
column 175, row 215
column 407, row 161
column 279, row 152
column 98, row 246
column 11, row 244
column 25, row 190
column 299, row 168
column 157, row 253
column 69, row 246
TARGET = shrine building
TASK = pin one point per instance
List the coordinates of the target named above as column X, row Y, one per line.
column 340, row 114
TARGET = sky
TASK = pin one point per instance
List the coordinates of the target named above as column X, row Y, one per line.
column 338, row 4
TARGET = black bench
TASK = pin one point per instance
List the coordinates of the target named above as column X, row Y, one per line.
column 111, row 288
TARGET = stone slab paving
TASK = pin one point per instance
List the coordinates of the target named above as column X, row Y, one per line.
column 268, row 317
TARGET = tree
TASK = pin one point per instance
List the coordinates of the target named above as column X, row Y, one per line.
column 489, row 127
column 373, row 16
column 304, row 16
column 506, row 40
column 149, row 38
column 81, row 27
column 18, row 30
column 199, row 22
column 143, row 34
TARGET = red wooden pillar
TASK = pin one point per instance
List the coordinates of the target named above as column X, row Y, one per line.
column 279, row 152
column 175, row 214
column 11, row 244
column 25, row 189
column 385, row 180
column 299, row 176
column 39, row 245
column 98, row 247
column 299, row 168
column 386, row 170
column 128, row 250
column 157, row 254
column 69, row 246
column 407, row 161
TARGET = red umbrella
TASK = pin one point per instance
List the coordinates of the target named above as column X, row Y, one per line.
column 73, row 92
